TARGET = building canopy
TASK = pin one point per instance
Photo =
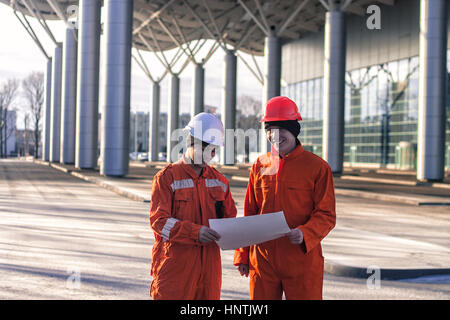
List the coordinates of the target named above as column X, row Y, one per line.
column 160, row 25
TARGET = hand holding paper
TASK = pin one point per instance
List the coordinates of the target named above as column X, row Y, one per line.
column 245, row 231
column 295, row 236
column 207, row 235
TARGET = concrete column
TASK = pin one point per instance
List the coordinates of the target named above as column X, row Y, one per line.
column 173, row 114
column 55, row 116
column 227, row 153
column 116, row 109
column 69, row 98
column 198, row 90
column 432, row 90
column 88, row 84
column 272, row 80
column 153, row 139
column 47, row 112
column 334, row 90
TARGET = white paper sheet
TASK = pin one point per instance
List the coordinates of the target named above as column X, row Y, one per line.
column 245, row 231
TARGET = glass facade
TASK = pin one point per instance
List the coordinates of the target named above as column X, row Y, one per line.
column 381, row 110
column 308, row 96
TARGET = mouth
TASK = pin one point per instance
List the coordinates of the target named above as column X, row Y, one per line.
column 279, row 144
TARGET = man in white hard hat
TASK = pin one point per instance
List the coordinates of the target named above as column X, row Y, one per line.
column 186, row 260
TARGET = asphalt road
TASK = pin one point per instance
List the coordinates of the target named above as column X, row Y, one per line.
column 64, row 238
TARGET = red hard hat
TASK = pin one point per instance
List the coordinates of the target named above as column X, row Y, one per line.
column 280, row 109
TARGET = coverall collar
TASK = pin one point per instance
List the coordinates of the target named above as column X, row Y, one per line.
column 296, row 152
column 293, row 154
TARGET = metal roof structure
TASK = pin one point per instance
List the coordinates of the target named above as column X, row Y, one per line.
column 161, row 25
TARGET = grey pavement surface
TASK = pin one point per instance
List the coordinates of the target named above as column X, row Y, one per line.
column 349, row 249
column 57, row 229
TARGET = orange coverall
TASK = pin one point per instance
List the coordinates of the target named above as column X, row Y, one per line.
column 181, row 203
column 301, row 186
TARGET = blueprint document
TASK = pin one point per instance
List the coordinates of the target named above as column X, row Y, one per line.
column 244, row 231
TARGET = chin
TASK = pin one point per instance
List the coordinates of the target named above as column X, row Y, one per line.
column 286, row 149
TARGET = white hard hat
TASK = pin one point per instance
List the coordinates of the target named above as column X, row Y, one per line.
column 207, row 128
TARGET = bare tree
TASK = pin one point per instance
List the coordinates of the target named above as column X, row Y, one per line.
column 248, row 112
column 8, row 91
column 33, row 87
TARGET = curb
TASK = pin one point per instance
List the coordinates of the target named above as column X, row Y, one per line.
column 329, row 266
column 57, row 167
column 397, row 182
column 376, row 196
column 388, row 197
column 240, row 179
column 385, row 274
column 41, row 162
column 110, row 187
column 379, row 180
column 96, row 181
column 366, row 195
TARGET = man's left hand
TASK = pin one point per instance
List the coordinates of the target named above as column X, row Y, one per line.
column 295, row 236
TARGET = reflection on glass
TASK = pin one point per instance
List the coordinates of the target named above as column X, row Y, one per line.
column 381, row 110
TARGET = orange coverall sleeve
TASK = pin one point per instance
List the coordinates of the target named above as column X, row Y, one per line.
column 323, row 216
column 161, row 211
column 250, row 209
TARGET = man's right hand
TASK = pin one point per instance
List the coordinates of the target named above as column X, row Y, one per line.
column 243, row 269
column 207, row 235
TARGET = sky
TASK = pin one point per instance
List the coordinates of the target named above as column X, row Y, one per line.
column 19, row 56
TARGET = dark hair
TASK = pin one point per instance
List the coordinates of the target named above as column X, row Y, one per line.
column 291, row 125
column 190, row 141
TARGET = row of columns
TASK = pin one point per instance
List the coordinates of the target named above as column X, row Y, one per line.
column 115, row 119
column 72, row 91
column 72, row 86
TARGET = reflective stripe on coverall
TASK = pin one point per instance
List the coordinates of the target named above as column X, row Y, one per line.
column 301, row 186
column 181, row 203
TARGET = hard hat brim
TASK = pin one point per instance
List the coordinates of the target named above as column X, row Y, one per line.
column 270, row 119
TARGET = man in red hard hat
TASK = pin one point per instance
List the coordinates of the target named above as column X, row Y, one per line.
column 299, row 183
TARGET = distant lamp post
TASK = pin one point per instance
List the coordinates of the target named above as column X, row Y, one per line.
column 25, row 137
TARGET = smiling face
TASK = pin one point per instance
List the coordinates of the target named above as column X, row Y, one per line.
column 282, row 140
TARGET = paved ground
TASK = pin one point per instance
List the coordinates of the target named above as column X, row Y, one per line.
column 57, row 229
